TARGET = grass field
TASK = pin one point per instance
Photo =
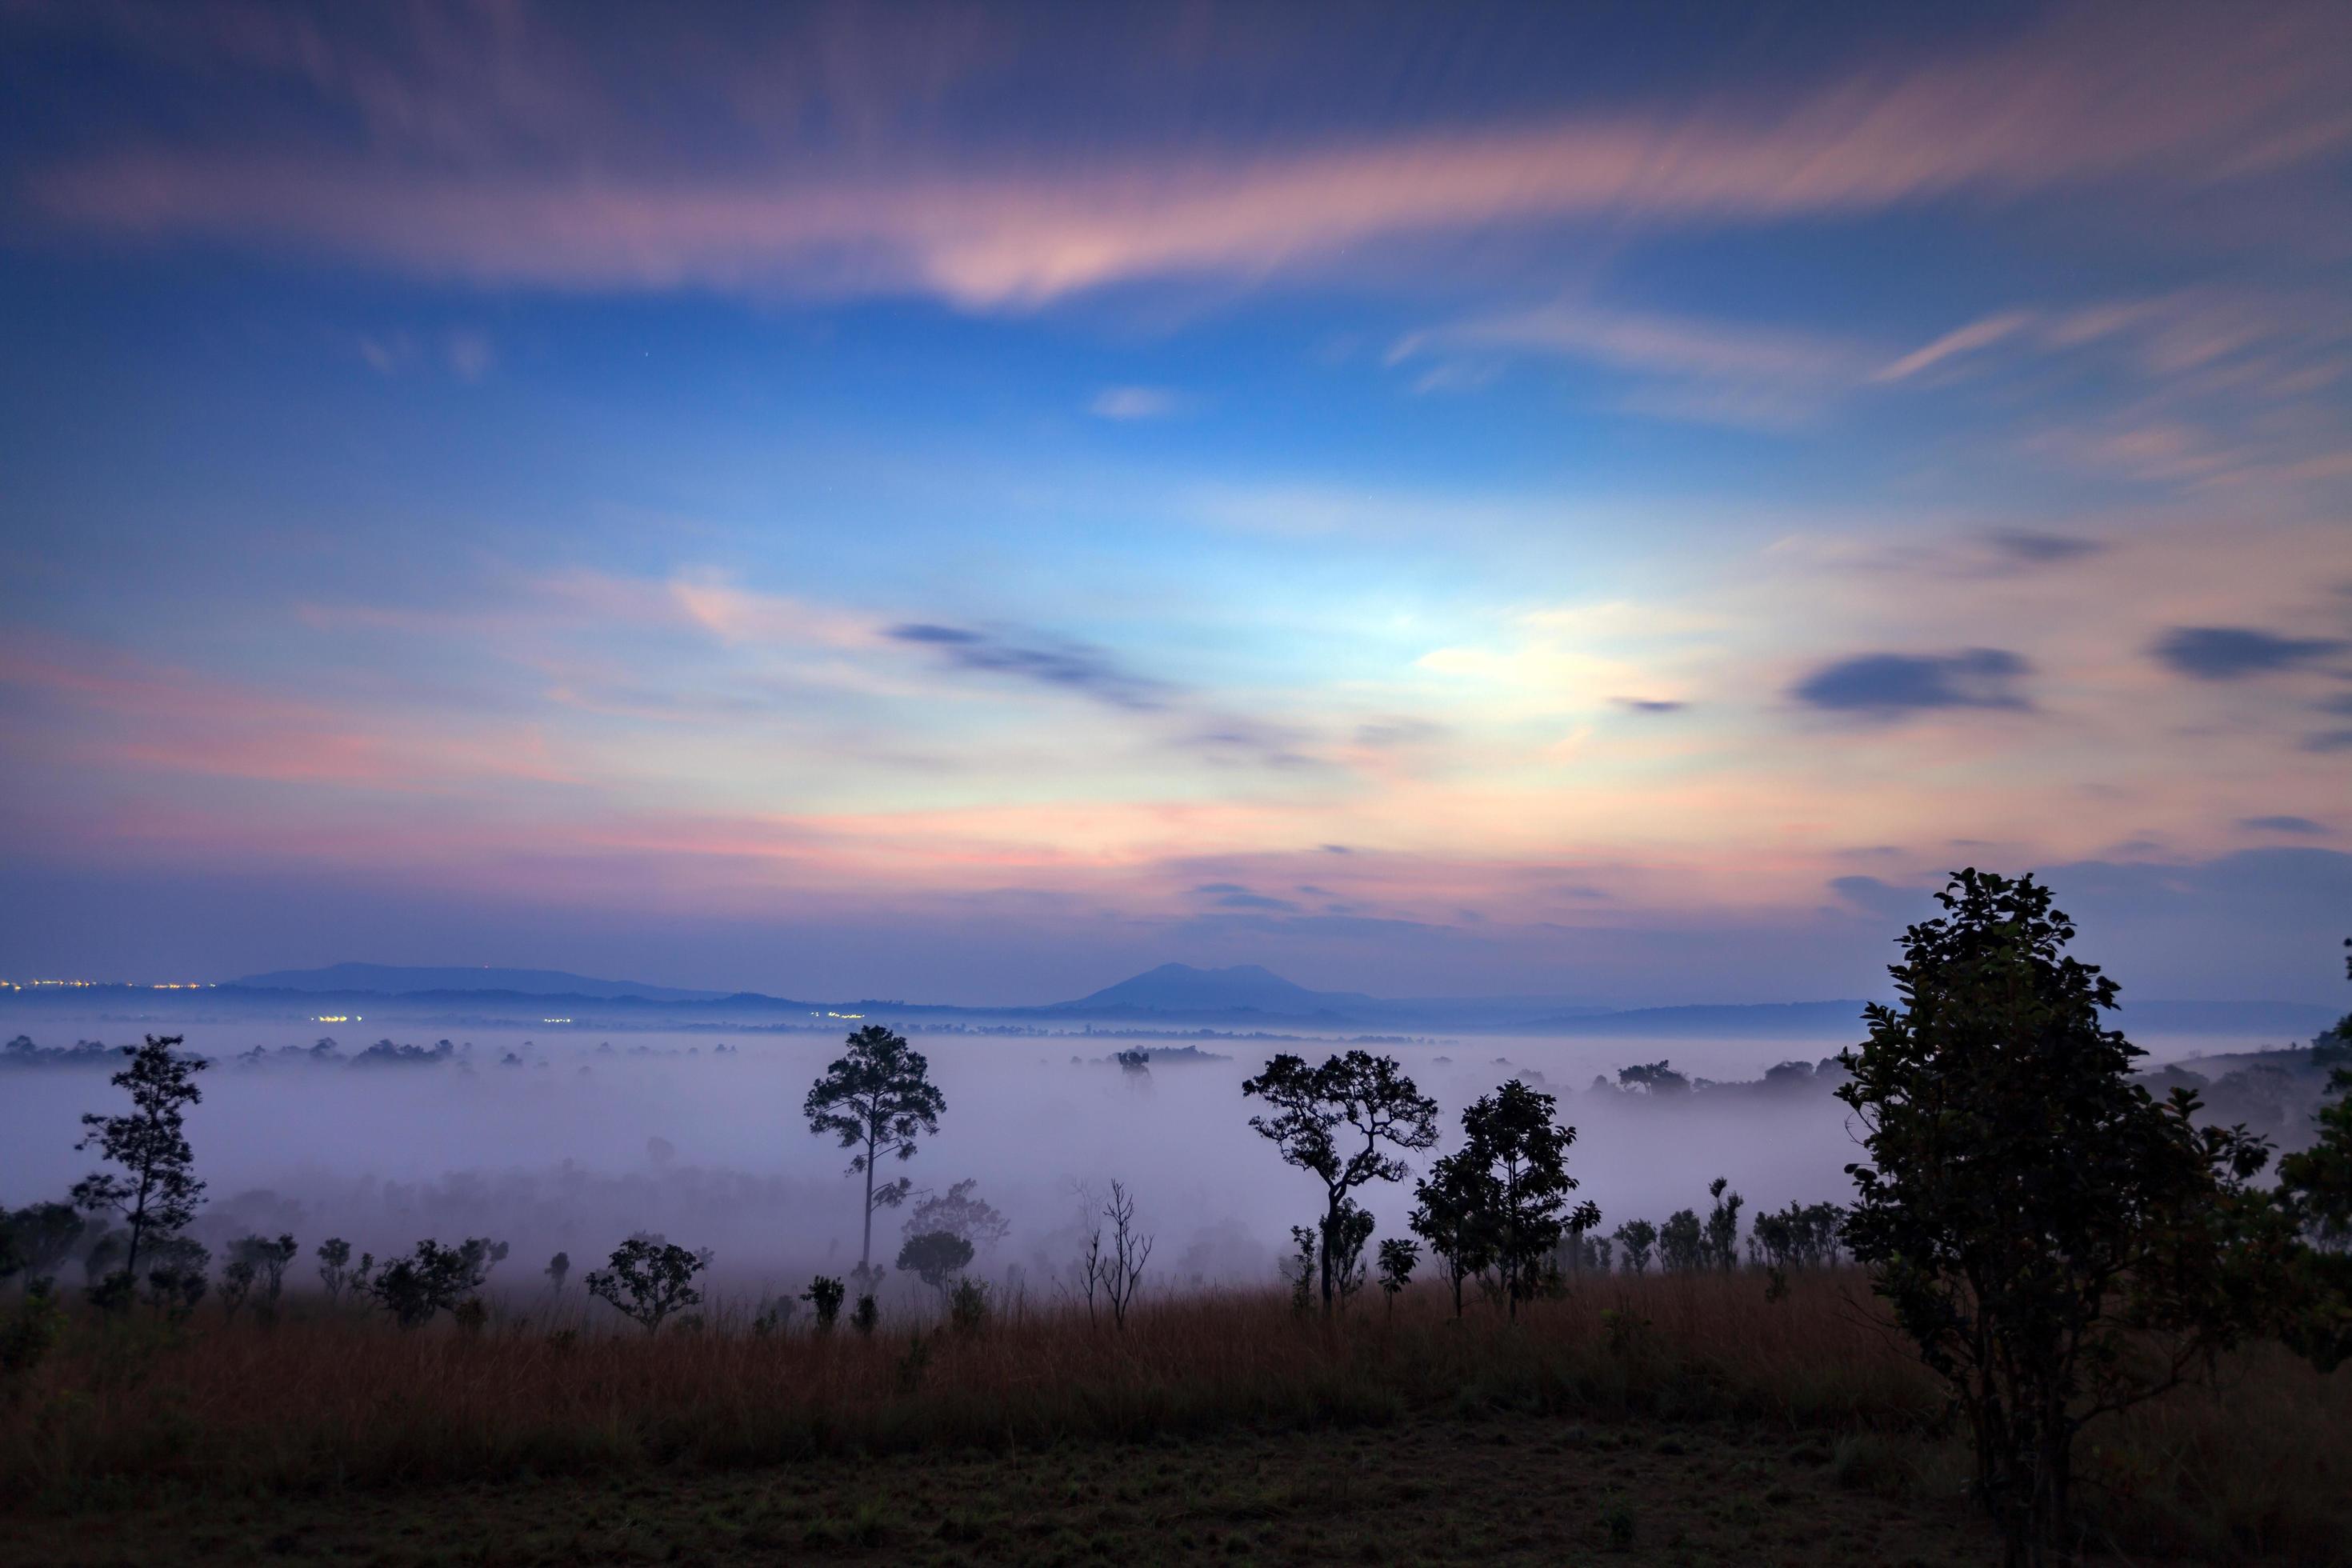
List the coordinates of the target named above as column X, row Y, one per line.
column 1675, row 1419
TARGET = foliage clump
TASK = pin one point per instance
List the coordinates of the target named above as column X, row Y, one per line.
column 2057, row 1243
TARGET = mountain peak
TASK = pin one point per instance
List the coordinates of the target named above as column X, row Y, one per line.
column 1240, row 988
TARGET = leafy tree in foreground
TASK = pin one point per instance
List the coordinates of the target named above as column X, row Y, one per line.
column 1524, row 1153
column 155, row 1191
column 1344, row 1122
column 877, row 1099
column 432, row 1279
column 646, row 1281
column 2058, row 1244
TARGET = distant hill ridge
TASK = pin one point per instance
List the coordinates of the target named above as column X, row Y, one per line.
column 403, row 980
column 1250, row 993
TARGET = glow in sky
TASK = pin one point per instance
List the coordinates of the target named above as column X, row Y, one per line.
column 963, row 503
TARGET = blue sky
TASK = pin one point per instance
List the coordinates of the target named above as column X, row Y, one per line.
column 967, row 502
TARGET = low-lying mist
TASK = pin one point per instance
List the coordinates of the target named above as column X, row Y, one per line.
column 571, row 1144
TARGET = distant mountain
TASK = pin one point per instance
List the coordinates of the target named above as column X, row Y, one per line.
column 403, row 980
column 1179, row 988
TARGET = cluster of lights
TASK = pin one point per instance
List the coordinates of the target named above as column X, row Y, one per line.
column 555, row 1020
column 339, row 1018
column 105, row 984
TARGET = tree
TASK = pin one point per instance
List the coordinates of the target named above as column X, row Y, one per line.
column 646, row 1281
column 176, row 1274
column 559, row 1269
column 1397, row 1257
column 2058, row 1244
column 1450, row 1209
column 1636, row 1237
column 2315, row 1195
column 825, row 1293
column 938, row 1257
column 1118, row 1274
column 1524, row 1153
column 155, row 1193
column 877, row 1098
column 1652, row 1078
column 335, row 1256
column 1340, row 1121
column 37, row 1239
column 960, row 1213
column 432, row 1279
column 1722, row 1245
column 259, row 1264
column 1682, row 1242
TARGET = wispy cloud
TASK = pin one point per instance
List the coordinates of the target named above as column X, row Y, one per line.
column 1135, row 402
column 1062, row 665
column 461, row 173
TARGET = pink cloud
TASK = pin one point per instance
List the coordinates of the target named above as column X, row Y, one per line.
column 464, row 176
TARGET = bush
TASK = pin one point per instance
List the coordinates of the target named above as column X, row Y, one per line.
column 968, row 1306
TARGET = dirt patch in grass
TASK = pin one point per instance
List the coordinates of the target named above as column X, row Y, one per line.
column 1500, row 1490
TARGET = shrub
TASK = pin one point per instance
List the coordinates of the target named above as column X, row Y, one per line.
column 648, row 1280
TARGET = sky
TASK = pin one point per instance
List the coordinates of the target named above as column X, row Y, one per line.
column 968, row 502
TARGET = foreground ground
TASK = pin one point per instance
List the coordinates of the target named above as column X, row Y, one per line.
column 1687, row 1419
column 1498, row 1489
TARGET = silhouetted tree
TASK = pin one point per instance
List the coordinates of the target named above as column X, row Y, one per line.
column 559, row 1269
column 1397, row 1257
column 648, row 1280
column 1682, row 1242
column 877, row 1098
column 155, row 1191
column 938, row 1257
column 1653, row 1078
column 1340, row 1120
column 825, row 1294
column 1524, row 1153
column 256, row 1263
column 335, row 1256
column 432, row 1279
column 2058, row 1244
column 960, row 1212
column 1451, row 1206
column 1130, row 1250
column 1722, row 1250
column 37, row 1239
column 177, row 1273
column 1635, row 1237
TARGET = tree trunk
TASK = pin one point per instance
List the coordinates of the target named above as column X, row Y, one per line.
column 865, row 1250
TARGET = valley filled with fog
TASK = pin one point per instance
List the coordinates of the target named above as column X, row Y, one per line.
column 565, row 1140
column 574, row 1147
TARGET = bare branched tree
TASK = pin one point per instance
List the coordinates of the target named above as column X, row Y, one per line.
column 1130, row 1250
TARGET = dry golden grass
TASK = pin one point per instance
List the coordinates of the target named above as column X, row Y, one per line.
column 326, row 1399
